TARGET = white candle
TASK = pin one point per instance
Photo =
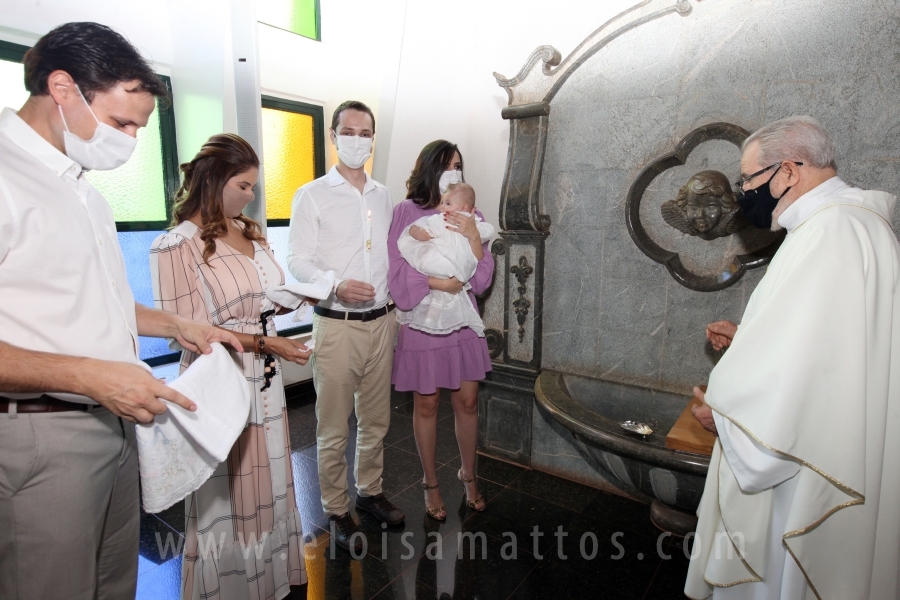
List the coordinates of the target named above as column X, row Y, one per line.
column 368, row 247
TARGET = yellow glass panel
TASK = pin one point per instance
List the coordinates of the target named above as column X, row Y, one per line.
column 289, row 158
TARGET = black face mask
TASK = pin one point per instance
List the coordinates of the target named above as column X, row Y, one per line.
column 758, row 204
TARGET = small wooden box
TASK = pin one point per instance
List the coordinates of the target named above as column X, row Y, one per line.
column 688, row 434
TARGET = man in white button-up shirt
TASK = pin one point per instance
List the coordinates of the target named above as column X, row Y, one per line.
column 69, row 367
column 340, row 223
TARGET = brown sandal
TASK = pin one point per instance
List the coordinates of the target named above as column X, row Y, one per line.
column 438, row 514
column 478, row 503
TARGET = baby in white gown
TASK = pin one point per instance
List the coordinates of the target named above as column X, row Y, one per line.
column 434, row 248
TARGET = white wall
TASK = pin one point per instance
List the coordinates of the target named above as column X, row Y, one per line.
column 447, row 89
column 146, row 26
column 426, row 70
column 357, row 59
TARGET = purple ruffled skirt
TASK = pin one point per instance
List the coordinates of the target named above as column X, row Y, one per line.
column 424, row 362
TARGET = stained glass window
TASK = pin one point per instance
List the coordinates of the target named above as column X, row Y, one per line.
column 293, row 141
column 297, row 16
column 289, row 151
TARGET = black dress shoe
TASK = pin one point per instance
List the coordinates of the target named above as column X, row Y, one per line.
column 342, row 529
column 381, row 508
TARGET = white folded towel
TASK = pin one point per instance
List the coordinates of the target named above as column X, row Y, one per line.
column 180, row 449
column 292, row 295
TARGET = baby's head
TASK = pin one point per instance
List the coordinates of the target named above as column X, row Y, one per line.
column 458, row 197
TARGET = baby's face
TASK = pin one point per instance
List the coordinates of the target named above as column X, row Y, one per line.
column 451, row 202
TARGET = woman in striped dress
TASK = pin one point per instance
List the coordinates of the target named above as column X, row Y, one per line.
column 243, row 538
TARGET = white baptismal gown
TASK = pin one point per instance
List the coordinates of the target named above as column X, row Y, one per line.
column 447, row 254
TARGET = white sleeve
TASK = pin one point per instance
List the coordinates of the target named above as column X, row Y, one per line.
column 755, row 467
column 9, row 221
column 485, row 230
column 303, row 236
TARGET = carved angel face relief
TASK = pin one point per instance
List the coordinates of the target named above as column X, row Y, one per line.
column 705, row 207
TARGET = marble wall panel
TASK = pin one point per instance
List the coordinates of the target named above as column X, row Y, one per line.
column 612, row 312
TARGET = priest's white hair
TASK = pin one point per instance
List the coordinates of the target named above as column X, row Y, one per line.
column 800, row 138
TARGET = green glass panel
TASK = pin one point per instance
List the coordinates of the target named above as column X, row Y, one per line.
column 297, row 16
column 136, row 190
column 289, row 158
column 12, row 88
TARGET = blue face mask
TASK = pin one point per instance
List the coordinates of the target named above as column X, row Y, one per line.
column 759, row 203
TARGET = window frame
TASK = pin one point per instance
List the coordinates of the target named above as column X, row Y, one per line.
column 318, row 37
column 318, row 116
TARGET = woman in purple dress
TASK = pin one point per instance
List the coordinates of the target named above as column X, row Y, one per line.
column 425, row 363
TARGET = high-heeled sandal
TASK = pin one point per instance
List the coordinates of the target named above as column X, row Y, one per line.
column 478, row 503
column 438, row 514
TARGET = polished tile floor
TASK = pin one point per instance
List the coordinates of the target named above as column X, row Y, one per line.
column 541, row 536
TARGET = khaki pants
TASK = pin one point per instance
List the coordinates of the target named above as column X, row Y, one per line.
column 69, row 517
column 352, row 370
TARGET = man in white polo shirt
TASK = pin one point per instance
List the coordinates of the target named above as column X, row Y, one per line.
column 340, row 222
column 69, row 368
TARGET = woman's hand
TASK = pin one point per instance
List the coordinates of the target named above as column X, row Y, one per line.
column 464, row 224
column 451, row 286
column 288, row 349
column 468, row 227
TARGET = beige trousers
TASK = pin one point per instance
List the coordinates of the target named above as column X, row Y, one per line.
column 352, row 370
column 69, row 517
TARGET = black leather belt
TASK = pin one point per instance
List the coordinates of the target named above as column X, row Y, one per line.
column 43, row 404
column 354, row 316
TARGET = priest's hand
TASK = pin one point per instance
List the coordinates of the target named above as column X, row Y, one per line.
column 703, row 412
column 721, row 333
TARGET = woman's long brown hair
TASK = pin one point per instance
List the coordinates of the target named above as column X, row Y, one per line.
column 221, row 158
column 423, row 185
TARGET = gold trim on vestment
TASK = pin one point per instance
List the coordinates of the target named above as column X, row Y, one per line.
column 802, row 530
column 845, row 488
column 728, row 585
column 802, row 570
column 730, row 537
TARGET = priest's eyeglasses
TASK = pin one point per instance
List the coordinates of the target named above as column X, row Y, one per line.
column 740, row 183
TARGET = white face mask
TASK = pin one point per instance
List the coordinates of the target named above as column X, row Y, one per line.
column 234, row 201
column 448, row 177
column 108, row 149
column 353, row 150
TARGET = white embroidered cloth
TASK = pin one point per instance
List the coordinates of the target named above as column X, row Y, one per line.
column 446, row 255
column 180, row 449
column 292, row 295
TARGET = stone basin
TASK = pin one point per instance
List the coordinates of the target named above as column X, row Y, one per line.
column 591, row 409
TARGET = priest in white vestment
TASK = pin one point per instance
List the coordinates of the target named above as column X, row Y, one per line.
column 802, row 498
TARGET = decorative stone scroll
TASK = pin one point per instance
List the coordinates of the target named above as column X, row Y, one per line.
column 532, row 87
